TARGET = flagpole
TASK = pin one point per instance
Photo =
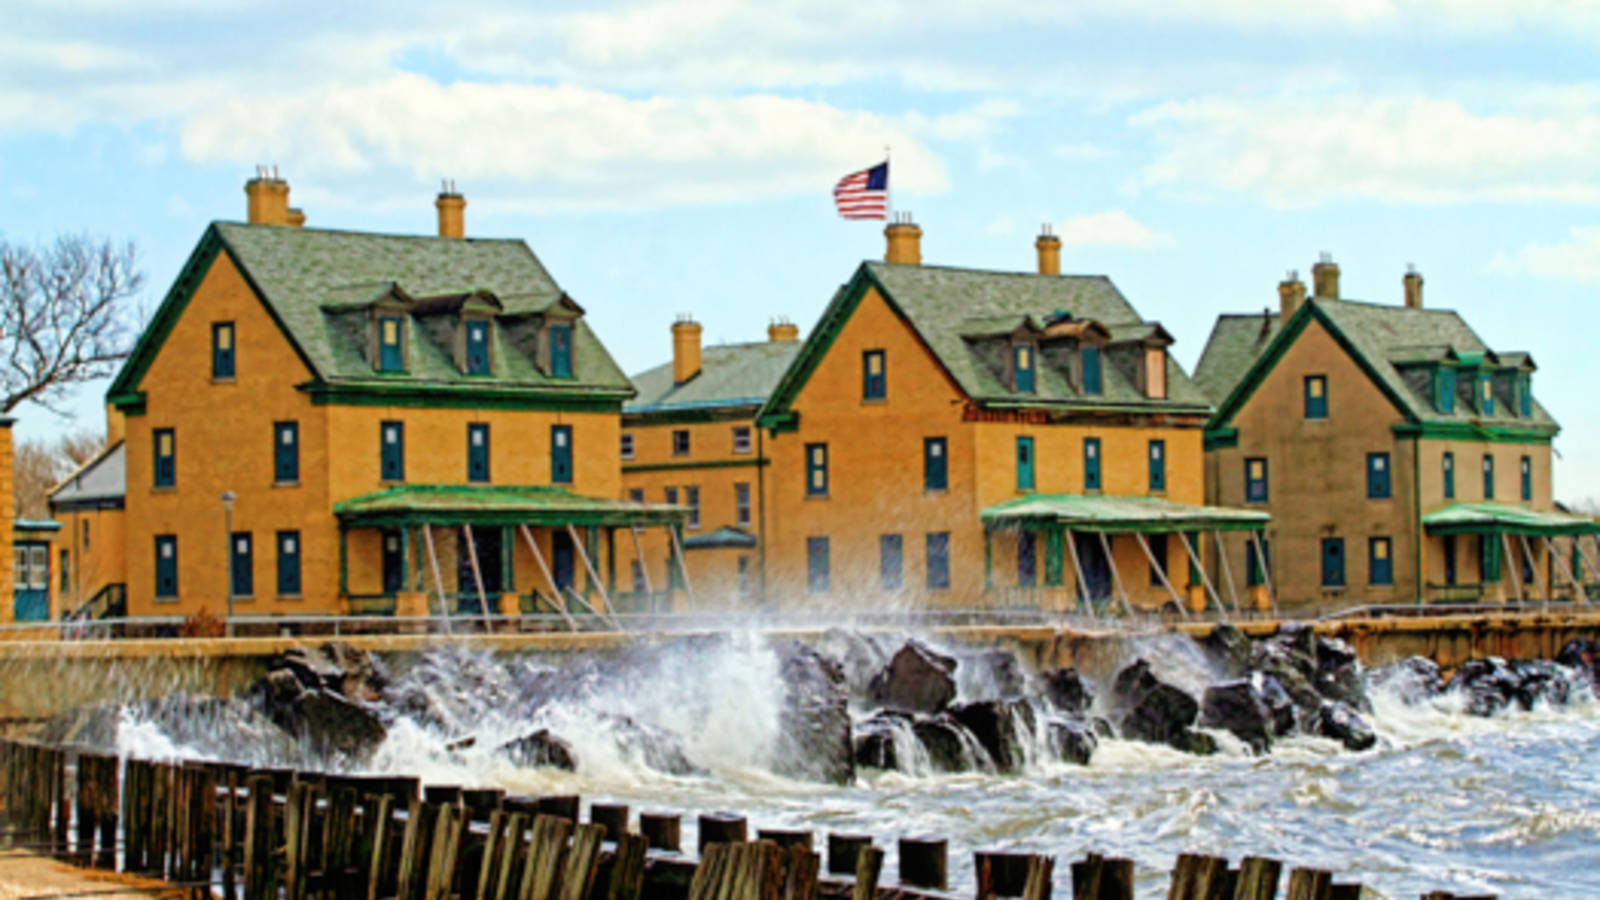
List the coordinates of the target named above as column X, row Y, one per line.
column 888, row 184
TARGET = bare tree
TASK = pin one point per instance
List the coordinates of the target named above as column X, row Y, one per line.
column 40, row 465
column 66, row 316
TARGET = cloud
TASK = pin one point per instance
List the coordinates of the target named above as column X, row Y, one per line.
column 1081, row 152
column 561, row 147
column 1301, row 151
column 1576, row 259
column 1111, row 228
column 1000, row 226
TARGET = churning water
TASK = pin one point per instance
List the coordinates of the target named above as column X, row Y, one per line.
column 1508, row 804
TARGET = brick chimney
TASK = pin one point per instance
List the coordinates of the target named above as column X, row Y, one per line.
column 783, row 331
column 1413, row 284
column 905, row 241
column 1325, row 278
column 1049, row 247
column 267, row 200
column 452, row 211
column 685, row 349
column 1291, row 293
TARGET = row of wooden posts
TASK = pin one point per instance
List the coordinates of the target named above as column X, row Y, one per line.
column 264, row 834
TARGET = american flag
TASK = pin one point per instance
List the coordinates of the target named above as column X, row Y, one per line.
column 864, row 194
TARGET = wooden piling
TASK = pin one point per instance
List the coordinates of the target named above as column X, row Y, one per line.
column 1198, row 877
column 924, row 862
column 260, row 881
column 1099, row 878
column 843, row 850
column 546, row 860
column 627, row 868
column 564, row 806
column 1309, row 884
column 721, row 828
column 785, row 837
column 1001, row 874
column 614, row 816
column 869, row 865
column 663, row 831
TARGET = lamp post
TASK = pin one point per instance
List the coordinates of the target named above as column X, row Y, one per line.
column 227, row 529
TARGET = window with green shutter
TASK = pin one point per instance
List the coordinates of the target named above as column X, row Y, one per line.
column 1486, row 394
column 478, row 452
column 1527, row 478
column 392, row 451
column 1093, row 382
column 1024, row 463
column 477, row 347
column 1333, row 562
column 1449, row 475
column 1380, row 561
column 1488, row 477
column 286, row 452
column 1378, row 486
column 1091, row 464
column 391, row 344
column 935, row 466
column 1022, row 368
column 166, row 457
column 1158, row 466
column 289, row 563
column 1444, row 389
column 560, row 351
column 560, row 454
column 1255, row 480
column 874, row 380
column 242, row 565
column 222, row 350
column 166, row 565
column 1316, row 391
column 816, row 470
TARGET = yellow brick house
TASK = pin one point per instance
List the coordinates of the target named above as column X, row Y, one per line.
column 334, row 421
column 952, row 437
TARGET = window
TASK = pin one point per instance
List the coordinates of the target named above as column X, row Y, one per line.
column 478, row 452
column 1091, row 464
column 1254, row 574
column 1316, row 396
column 627, row 445
column 1092, row 381
column 1027, row 559
column 1444, row 389
column 560, row 351
column 477, row 347
column 1255, row 480
column 166, row 457
column 1486, row 394
column 1449, row 475
column 935, row 471
column 1449, row 543
column 1022, row 368
column 1158, row 466
column 392, row 451
column 1524, row 395
column 1380, row 564
column 1332, row 562
column 167, row 566
column 741, row 503
column 1488, row 477
column 636, row 495
column 670, row 495
column 691, row 497
column 1158, row 550
column 873, row 377
column 1191, row 551
column 288, row 563
column 1377, row 476
column 391, row 349
column 222, row 350
column 286, row 452
column 1024, row 463
column 889, row 562
column 741, row 438
column 65, row 565
column 560, row 454
column 1527, row 478
column 242, row 582
column 86, row 537
column 817, row 565
column 938, row 560
column 680, row 442
column 816, row 470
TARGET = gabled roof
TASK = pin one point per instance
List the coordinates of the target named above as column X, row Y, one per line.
column 730, row 375
column 1382, row 340
column 101, row 482
column 950, row 310
column 315, row 282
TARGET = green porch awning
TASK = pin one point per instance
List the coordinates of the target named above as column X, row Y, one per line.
column 1090, row 512
column 722, row 538
column 436, row 504
column 1492, row 518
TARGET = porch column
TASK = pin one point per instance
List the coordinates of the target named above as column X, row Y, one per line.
column 1266, row 574
column 508, row 560
column 1561, row 565
column 1161, row 572
column 1543, row 584
column 405, row 557
column 1227, row 571
column 1516, row 571
column 477, row 576
column 1194, row 560
column 557, row 598
column 1077, row 572
column 1116, row 577
column 438, row 580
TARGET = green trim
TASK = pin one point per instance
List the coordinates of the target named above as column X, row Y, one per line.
column 779, row 423
column 1467, row 431
column 704, row 464
column 1221, row 438
column 1090, row 406
column 460, row 397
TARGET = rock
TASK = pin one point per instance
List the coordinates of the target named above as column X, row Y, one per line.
column 1070, row 741
column 540, row 749
column 999, row 727
column 1156, row 711
column 1228, row 648
column 1539, row 679
column 657, row 748
column 860, row 655
column 1066, row 690
column 1342, row 723
column 992, row 673
column 916, row 680
column 1238, row 707
column 1488, row 685
column 327, row 722
column 1414, row 679
column 1299, row 641
column 876, row 740
column 1280, row 706
column 1275, row 659
column 1197, row 742
column 1584, row 655
column 1339, row 675
column 941, row 738
column 815, row 718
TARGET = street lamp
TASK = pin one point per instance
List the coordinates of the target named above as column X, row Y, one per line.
column 227, row 559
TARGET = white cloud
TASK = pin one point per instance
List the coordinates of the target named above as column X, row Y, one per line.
column 1000, row 226
column 1576, row 259
column 1081, row 151
column 1301, row 151
column 1111, row 228
column 561, row 147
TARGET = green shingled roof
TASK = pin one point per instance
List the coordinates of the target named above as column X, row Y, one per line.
column 441, row 504
column 318, row 283
column 1394, row 343
column 1115, row 514
column 1490, row 517
column 730, row 375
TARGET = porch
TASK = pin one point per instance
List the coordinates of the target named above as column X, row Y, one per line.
column 1095, row 550
column 1549, row 556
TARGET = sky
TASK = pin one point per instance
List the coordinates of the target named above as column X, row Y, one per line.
column 671, row 157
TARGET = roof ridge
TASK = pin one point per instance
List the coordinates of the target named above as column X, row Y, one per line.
column 372, row 234
column 976, row 271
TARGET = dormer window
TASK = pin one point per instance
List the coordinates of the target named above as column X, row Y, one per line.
column 477, row 354
column 1524, row 384
column 391, row 344
column 560, row 351
column 1444, row 389
column 1093, row 381
column 1022, row 368
column 1485, row 394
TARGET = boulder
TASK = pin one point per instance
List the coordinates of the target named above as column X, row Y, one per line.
column 1070, row 740
column 917, row 680
column 941, row 737
column 1539, row 679
column 815, row 719
column 1277, row 660
column 1583, row 655
column 1280, row 706
column 860, row 655
column 540, row 749
column 1157, row 712
column 1414, row 679
column 1066, row 690
column 1339, row 675
column 1228, row 648
column 657, row 748
column 1238, row 707
column 875, row 740
column 328, row 723
column 999, row 726
column 1488, row 685
column 1342, row 723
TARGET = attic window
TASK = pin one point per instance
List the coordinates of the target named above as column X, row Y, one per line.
column 391, row 355
column 1022, row 368
column 1444, row 389
column 477, row 338
column 1093, row 383
column 1524, row 395
column 1486, row 394
column 560, row 351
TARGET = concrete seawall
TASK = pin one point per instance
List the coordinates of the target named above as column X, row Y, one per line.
column 40, row 679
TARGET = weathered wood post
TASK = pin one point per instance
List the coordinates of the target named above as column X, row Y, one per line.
column 721, row 828
column 614, row 816
column 1309, row 884
column 924, row 862
column 785, row 837
column 1258, row 878
column 843, row 850
column 663, row 831
column 1098, row 878
column 563, row 806
column 260, row 877
column 869, row 865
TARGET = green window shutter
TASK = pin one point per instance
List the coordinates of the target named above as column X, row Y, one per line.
column 289, row 563
column 391, row 344
column 1525, row 395
column 560, row 351
column 1380, row 561
column 166, row 565
column 1022, row 368
column 1093, row 383
column 1444, row 384
column 1378, row 476
column 1488, row 477
column 935, row 464
column 478, row 452
column 1091, row 464
column 1024, row 463
column 286, row 452
column 560, row 454
column 1333, row 562
column 222, row 350
column 1486, row 394
column 1158, row 466
column 1316, row 396
column 242, row 564
column 166, row 457
column 1527, row 478
column 477, row 347
column 392, row 451
column 1449, row 464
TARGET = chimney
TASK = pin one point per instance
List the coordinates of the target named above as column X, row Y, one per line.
column 685, row 349
column 1325, row 278
column 1049, row 247
column 905, row 241
column 1291, row 293
column 783, row 331
column 452, row 211
column 267, row 200
column 1413, row 283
